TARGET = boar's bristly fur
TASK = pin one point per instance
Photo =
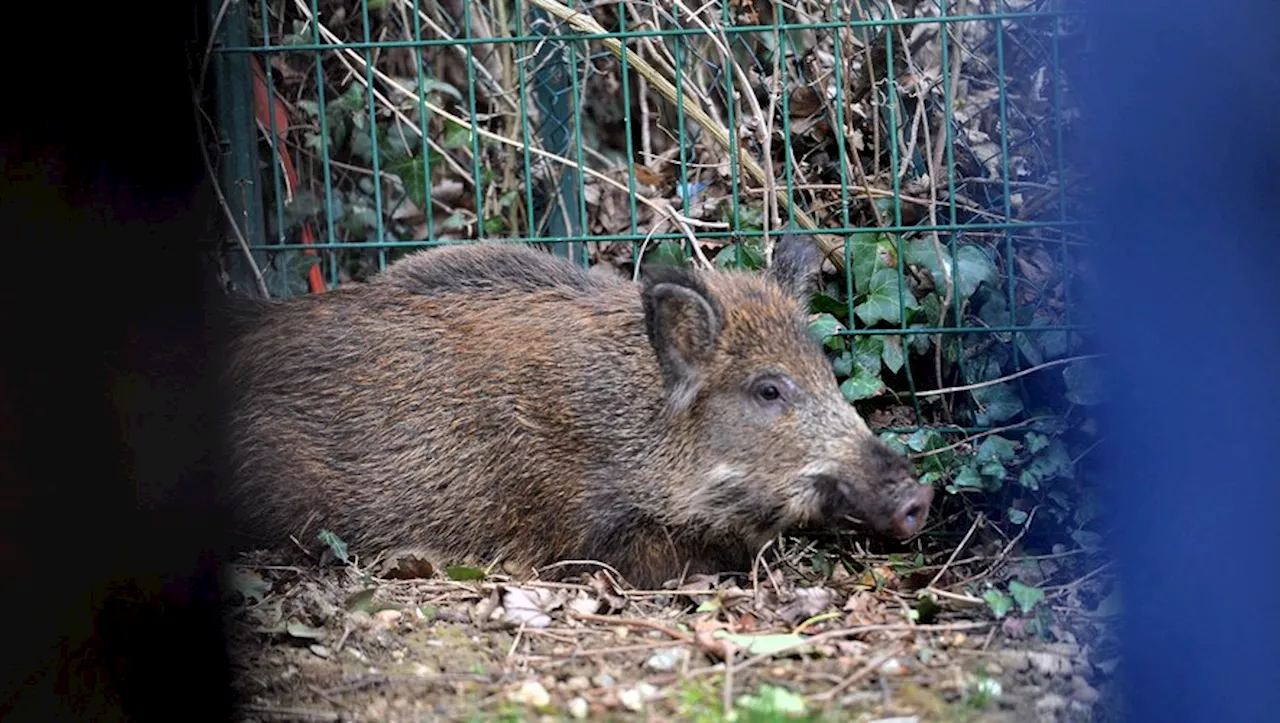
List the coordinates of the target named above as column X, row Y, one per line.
column 492, row 401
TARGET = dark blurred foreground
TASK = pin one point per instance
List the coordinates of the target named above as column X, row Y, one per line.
column 107, row 524
column 108, row 531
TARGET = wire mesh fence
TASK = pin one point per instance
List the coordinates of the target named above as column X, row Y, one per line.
column 924, row 144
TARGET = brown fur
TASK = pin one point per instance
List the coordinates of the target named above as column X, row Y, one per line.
column 493, row 401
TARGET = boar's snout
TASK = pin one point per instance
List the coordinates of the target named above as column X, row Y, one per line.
column 913, row 512
column 887, row 495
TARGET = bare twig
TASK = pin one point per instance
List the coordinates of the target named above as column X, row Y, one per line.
column 972, row 528
column 856, row 676
column 979, row 435
column 1010, row 377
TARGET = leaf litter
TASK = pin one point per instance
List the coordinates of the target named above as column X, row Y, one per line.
column 342, row 643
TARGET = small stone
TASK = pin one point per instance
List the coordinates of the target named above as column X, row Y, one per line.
column 577, row 682
column 320, row 650
column 1050, row 704
column 893, row 666
column 532, row 693
column 386, row 619
column 604, row 680
column 632, row 699
column 667, row 660
column 1049, row 663
column 421, row 670
column 1015, row 660
column 578, row 708
column 1082, row 691
column 994, row 670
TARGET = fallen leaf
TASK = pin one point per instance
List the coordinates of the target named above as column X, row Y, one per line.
column 530, row 606
column 809, row 601
column 585, row 604
column 769, row 644
column 704, row 634
column 299, row 630
column 407, row 566
column 608, row 592
column 360, row 600
column 249, row 584
column 463, row 574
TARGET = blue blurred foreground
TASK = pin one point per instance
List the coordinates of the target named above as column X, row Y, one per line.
column 1185, row 97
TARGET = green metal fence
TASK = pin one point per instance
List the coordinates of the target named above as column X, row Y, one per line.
column 926, row 144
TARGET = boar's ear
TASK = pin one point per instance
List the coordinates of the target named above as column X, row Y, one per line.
column 796, row 263
column 683, row 321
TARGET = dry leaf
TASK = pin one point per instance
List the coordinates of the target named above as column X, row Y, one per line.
column 809, row 601
column 530, row 607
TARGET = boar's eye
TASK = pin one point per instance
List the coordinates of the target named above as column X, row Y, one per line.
column 771, row 389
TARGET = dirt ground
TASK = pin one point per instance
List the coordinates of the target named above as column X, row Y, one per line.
column 817, row 636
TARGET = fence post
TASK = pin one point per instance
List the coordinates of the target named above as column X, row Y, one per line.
column 237, row 147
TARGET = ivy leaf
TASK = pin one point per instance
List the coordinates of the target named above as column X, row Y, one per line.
column 1090, row 541
column 861, row 386
column 993, row 470
column 667, row 253
column 1028, row 348
column 865, row 250
column 824, row 303
column 995, row 448
column 894, row 441
column 335, row 544
column 972, row 265
column 1083, row 384
column 1025, row 595
column 431, row 85
column 968, row 478
column 999, row 603
column 892, row 354
column 1053, row 461
column 975, row 267
column 826, row 329
column 921, row 252
column 741, row 255
column 463, row 574
column 456, row 135
column 1036, row 442
column 924, row 439
column 1029, row 479
column 1054, row 343
column 843, row 365
column 882, row 301
column 867, row 351
column 1017, row 516
column 998, row 403
column 920, row 343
